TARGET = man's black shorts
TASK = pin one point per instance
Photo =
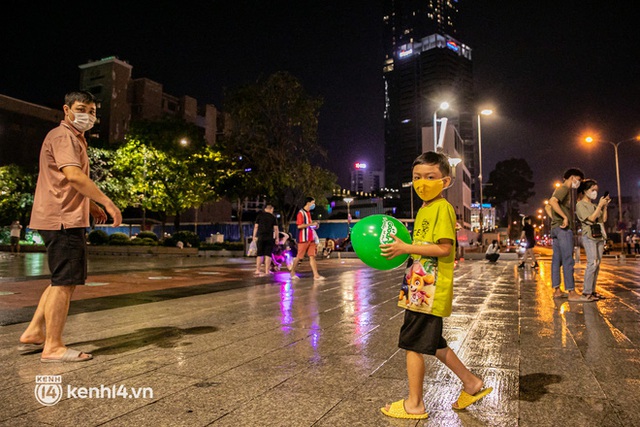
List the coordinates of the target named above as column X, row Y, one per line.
column 265, row 245
column 421, row 333
column 67, row 255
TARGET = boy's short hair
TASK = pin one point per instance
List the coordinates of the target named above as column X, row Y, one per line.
column 308, row 200
column 433, row 158
column 79, row 96
column 573, row 171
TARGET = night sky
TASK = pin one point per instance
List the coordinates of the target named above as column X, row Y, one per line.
column 551, row 73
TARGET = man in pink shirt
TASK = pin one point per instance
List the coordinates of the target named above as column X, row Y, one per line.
column 65, row 197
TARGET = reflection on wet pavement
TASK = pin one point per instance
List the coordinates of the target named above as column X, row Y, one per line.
column 269, row 351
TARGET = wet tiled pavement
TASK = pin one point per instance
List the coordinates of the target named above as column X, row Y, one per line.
column 218, row 347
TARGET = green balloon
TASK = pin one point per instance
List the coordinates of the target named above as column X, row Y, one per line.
column 372, row 231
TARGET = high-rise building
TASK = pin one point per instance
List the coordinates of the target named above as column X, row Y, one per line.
column 122, row 99
column 109, row 81
column 366, row 180
column 424, row 66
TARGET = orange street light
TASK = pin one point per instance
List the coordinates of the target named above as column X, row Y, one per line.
column 589, row 140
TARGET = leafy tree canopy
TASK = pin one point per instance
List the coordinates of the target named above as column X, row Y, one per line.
column 274, row 137
column 155, row 171
column 510, row 184
column 17, row 187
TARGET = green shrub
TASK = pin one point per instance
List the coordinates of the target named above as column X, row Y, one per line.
column 148, row 235
column 233, row 246
column 5, row 236
column 117, row 239
column 147, row 241
column 186, row 237
column 98, row 237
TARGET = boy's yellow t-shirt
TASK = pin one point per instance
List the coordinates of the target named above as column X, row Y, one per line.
column 427, row 286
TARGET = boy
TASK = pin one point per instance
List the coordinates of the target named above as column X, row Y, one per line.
column 429, row 288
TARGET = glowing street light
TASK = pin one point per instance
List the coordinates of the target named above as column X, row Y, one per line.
column 443, row 106
column 348, row 201
column 589, row 140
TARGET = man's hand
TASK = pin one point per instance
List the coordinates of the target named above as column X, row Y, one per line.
column 97, row 213
column 565, row 223
column 392, row 250
column 115, row 214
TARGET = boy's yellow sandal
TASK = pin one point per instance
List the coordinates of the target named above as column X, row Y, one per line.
column 467, row 399
column 396, row 410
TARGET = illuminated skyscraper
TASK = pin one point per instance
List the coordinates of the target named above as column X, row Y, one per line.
column 365, row 180
column 424, row 66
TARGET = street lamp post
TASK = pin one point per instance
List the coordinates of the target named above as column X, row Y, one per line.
column 615, row 149
column 443, row 106
column 484, row 113
column 348, row 201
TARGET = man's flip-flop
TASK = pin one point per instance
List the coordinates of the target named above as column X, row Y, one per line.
column 396, row 410
column 69, row 356
column 28, row 348
column 465, row 399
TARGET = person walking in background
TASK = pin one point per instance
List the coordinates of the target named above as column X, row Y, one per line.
column 265, row 231
column 592, row 218
column 493, row 252
column 636, row 244
column 528, row 236
column 306, row 239
column 15, row 229
column 65, row 197
column 628, row 242
column 427, row 290
column 562, row 235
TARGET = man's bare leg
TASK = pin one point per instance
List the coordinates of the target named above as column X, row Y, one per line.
column 267, row 264
column 314, row 267
column 56, row 309
column 294, row 265
column 258, row 264
column 35, row 332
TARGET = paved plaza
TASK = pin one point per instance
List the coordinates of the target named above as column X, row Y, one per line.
column 201, row 341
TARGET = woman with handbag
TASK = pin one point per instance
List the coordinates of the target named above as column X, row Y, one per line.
column 592, row 217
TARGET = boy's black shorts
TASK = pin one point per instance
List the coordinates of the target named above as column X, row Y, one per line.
column 421, row 333
column 67, row 255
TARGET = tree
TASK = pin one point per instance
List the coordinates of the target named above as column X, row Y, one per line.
column 164, row 166
column 510, row 185
column 17, row 188
column 274, row 134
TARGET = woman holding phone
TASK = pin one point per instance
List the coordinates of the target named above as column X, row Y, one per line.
column 592, row 216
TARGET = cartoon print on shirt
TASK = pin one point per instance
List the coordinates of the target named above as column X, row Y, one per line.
column 419, row 283
column 420, row 233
